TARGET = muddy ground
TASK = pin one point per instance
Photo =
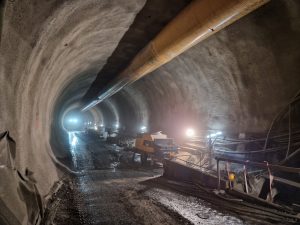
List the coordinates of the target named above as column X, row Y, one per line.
column 110, row 188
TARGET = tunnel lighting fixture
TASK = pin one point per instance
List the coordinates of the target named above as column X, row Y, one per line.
column 117, row 125
column 143, row 128
column 95, row 127
column 101, row 125
column 190, row 132
column 214, row 134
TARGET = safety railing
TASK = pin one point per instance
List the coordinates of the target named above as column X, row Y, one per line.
column 262, row 165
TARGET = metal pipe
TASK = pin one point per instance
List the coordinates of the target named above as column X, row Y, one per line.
column 199, row 20
column 262, row 165
column 291, row 156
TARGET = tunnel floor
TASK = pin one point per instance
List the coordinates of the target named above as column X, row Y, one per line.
column 110, row 188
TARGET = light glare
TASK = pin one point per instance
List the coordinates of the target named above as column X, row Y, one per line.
column 190, row 132
column 73, row 120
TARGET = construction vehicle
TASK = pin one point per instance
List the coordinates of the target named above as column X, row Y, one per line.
column 157, row 146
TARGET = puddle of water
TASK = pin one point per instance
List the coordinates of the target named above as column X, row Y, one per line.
column 195, row 210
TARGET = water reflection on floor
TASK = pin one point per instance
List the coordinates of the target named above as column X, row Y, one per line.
column 73, row 143
column 86, row 152
column 108, row 190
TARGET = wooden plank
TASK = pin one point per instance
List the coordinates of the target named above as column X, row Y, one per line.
column 285, row 181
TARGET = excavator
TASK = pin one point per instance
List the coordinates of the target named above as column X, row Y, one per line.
column 157, row 146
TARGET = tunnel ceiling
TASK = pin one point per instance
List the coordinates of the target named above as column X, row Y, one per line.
column 235, row 81
column 144, row 28
column 226, row 82
column 57, row 55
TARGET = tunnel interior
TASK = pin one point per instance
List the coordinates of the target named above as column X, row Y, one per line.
column 56, row 56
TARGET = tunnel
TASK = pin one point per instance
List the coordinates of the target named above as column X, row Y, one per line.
column 70, row 70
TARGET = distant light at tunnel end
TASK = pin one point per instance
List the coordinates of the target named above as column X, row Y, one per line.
column 73, row 120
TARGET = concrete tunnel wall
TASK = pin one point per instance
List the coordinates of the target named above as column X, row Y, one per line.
column 235, row 81
column 51, row 51
column 44, row 46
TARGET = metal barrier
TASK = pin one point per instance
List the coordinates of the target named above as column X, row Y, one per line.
column 265, row 165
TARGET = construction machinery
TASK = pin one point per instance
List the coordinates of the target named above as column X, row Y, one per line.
column 157, row 146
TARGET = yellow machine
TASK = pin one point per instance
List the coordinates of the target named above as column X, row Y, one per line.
column 156, row 145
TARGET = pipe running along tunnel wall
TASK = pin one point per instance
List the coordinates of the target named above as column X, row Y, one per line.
column 52, row 51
